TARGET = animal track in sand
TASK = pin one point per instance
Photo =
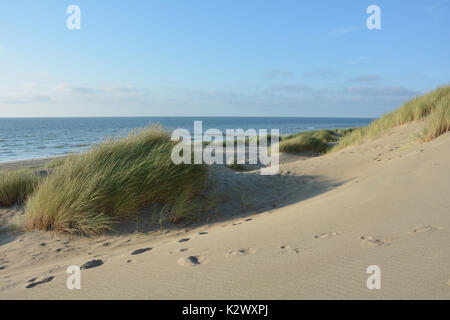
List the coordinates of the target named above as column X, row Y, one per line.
column 371, row 242
column 191, row 261
column 139, row 251
column 288, row 250
column 424, row 229
column 32, row 283
column 241, row 252
column 184, row 240
column 92, row 264
column 326, row 235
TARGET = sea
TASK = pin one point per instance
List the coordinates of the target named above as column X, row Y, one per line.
column 34, row 138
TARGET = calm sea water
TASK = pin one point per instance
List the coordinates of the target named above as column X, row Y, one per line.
column 32, row 138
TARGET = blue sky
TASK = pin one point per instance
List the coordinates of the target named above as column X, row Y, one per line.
column 219, row 58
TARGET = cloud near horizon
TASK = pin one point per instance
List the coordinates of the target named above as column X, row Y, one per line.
column 126, row 100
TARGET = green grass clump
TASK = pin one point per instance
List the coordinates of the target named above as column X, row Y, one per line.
column 434, row 105
column 315, row 141
column 302, row 143
column 16, row 186
column 90, row 192
column 343, row 132
column 439, row 122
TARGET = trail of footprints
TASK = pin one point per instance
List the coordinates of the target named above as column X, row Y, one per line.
column 196, row 260
column 288, row 250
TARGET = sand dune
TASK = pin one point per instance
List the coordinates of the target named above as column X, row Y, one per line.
column 308, row 233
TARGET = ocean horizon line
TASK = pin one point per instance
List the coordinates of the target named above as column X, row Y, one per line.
column 191, row 117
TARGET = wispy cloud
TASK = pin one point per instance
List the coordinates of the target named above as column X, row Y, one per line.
column 365, row 78
column 380, row 92
column 277, row 73
column 320, row 73
column 291, row 89
column 69, row 88
column 24, row 98
column 277, row 99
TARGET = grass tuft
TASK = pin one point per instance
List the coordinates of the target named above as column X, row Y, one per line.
column 434, row 105
column 439, row 122
column 16, row 186
column 318, row 141
column 88, row 193
column 302, row 143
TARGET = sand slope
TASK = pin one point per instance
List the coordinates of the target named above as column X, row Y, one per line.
column 320, row 224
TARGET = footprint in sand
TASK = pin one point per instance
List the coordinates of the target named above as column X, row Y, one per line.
column 34, row 282
column 184, row 249
column 423, row 229
column 241, row 252
column 2, row 267
column 371, row 242
column 203, row 233
column 91, row 264
column 326, row 235
column 139, row 251
column 191, row 261
column 184, row 240
column 288, row 250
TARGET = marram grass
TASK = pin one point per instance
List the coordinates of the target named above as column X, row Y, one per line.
column 439, row 122
column 16, row 186
column 432, row 107
column 315, row 141
column 88, row 193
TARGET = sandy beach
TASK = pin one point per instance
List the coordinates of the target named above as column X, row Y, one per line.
column 308, row 233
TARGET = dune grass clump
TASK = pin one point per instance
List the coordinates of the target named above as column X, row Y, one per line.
column 302, row 143
column 439, row 122
column 90, row 192
column 315, row 141
column 434, row 105
column 16, row 186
